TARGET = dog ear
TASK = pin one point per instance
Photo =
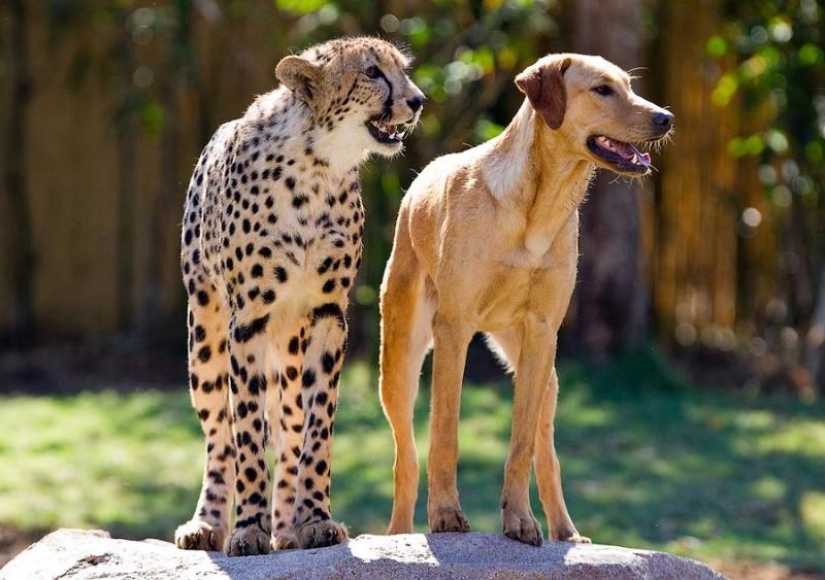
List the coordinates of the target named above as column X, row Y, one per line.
column 544, row 86
column 300, row 76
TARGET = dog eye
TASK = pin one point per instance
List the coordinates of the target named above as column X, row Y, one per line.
column 372, row 72
column 603, row 90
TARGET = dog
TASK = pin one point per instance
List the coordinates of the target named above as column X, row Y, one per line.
column 487, row 241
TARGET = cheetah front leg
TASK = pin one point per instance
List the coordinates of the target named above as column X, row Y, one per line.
column 209, row 387
column 313, row 525
column 247, row 347
column 285, row 412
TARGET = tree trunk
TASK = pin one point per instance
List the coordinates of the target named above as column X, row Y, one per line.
column 610, row 310
column 23, row 263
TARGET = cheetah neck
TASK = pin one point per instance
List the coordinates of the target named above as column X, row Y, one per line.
column 306, row 138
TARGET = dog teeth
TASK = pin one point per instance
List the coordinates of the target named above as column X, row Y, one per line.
column 624, row 150
column 606, row 143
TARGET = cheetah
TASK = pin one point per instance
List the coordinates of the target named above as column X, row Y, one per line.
column 271, row 243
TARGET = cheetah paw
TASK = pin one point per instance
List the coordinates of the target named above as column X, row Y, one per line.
column 251, row 541
column 284, row 542
column 321, row 534
column 199, row 535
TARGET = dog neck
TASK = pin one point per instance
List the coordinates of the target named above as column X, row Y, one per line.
column 530, row 166
column 505, row 169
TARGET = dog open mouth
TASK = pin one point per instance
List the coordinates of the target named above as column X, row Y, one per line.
column 622, row 156
column 387, row 133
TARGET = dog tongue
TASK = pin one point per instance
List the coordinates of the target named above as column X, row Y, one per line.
column 625, row 150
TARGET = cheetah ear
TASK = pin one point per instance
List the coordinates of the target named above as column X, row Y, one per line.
column 543, row 83
column 300, row 76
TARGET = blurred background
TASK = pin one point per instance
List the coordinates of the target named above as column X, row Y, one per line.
column 700, row 307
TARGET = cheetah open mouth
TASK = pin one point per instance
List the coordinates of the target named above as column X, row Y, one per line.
column 387, row 133
column 622, row 157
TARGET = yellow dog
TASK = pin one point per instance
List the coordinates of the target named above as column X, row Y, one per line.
column 487, row 240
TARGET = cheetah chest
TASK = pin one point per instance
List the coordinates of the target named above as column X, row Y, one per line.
column 299, row 249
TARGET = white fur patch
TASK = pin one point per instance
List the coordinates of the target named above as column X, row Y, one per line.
column 505, row 167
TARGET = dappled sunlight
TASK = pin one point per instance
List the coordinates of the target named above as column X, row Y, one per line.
column 768, row 488
column 812, row 513
column 97, row 459
column 416, row 549
column 701, row 474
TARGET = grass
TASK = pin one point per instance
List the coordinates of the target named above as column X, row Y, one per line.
column 647, row 462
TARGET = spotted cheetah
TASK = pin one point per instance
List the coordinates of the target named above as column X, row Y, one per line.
column 271, row 243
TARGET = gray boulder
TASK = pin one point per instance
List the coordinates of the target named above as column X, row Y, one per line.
column 75, row 555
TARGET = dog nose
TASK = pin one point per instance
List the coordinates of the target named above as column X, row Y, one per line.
column 663, row 119
column 416, row 102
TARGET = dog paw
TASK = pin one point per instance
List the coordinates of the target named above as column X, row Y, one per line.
column 199, row 535
column 399, row 529
column 448, row 519
column 284, row 542
column 320, row 534
column 251, row 541
column 568, row 534
column 522, row 527
column 577, row 539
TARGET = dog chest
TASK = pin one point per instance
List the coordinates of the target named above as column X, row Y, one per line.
column 509, row 293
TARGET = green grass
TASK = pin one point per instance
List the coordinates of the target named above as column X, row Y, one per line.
column 647, row 462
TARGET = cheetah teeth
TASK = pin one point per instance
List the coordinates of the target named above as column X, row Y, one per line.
column 387, row 132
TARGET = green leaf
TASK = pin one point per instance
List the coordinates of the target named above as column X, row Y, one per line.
column 776, row 140
column 300, row 6
column 417, row 30
column 716, row 46
column 809, row 54
column 725, row 90
column 486, row 130
column 151, row 117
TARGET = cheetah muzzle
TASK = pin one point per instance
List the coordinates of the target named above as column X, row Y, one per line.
column 271, row 244
column 384, row 131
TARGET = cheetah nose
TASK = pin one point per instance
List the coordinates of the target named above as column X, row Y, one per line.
column 416, row 102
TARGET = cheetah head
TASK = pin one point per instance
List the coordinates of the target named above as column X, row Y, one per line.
column 358, row 91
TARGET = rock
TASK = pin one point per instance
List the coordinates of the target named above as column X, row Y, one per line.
column 75, row 554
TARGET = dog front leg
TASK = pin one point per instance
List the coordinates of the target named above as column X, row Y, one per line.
column 451, row 339
column 538, row 350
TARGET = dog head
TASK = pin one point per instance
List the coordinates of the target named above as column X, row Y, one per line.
column 589, row 102
column 357, row 89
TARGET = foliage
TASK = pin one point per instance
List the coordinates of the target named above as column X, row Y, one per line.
column 646, row 463
column 778, row 78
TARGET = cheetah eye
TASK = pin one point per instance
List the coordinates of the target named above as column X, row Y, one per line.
column 603, row 90
column 372, row 72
